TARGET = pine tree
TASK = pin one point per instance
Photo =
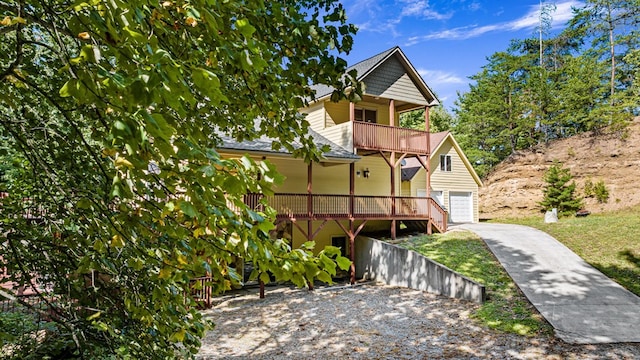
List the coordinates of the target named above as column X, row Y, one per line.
column 559, row 192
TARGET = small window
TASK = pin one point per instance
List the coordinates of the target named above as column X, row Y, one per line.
column 445, row 162
column 340, row 242
column 366, row 115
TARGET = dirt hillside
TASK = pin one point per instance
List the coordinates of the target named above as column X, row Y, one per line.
column 514, row 187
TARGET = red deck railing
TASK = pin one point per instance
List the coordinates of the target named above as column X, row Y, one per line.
column 201, row 291
column 389, row 138
column 320, row 207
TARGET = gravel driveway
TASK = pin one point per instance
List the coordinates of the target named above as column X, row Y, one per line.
column 372, row 322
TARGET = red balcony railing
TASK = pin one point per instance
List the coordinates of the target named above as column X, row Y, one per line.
column 201, row 291
column 388, row 138
column 320, row 206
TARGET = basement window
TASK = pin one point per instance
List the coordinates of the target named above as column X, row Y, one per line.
column 340, row 242
column 445, row 162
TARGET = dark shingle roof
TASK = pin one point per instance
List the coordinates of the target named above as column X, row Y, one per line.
column 363, row 67
column 408, row 173
column 263, row 145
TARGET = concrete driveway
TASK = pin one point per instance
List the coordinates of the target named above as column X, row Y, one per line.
column 582, row 304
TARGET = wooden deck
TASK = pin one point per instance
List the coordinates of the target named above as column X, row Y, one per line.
column 368, row 136
column 337, row 207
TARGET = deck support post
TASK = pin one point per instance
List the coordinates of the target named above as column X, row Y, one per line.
column 352, row 232
column 310, row 234
column 310, row 201
column 352, row 242
column 392, row 165
column 427, row 167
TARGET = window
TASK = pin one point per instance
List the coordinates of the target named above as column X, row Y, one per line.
column 366, row 115
column 340, row 242
column 445, row 162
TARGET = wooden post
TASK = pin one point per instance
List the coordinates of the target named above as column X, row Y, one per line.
column 392, row 165
column 352, row 252
column 392, row 161
column 352, row 243
column 428, row 168
column 352, row 111
column 310, row 201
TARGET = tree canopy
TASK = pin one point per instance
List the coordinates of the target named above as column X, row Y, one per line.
column 110, row 116
column 537, row 90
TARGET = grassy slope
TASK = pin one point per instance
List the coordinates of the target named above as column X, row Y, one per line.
column 609, row 241
column 506, row 309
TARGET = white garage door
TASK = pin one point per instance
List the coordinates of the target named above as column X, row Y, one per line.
column 460, row 207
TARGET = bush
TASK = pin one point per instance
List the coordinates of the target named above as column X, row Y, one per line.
column 601, row 192
column 588, row 189
column 24, row 335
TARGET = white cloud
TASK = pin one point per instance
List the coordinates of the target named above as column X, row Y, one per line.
column 475, row 6
column 421, row 8
column 560, row 15
column 439, row 77
column 530, row 20
column 374, row 16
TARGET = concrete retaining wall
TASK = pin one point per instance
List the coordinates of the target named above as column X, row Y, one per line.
column 393, row 265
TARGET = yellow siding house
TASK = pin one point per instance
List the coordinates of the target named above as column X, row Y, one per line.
column 453, row 182
column 357, row 186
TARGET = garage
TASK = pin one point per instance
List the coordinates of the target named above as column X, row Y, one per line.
column 460, row 207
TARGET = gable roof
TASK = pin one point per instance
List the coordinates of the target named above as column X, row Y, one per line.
column 412, row 165
column 367, row 66
column 262, row 145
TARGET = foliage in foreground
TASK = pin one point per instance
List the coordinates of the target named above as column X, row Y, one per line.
column 110, row 114
column 607, row 241
column 506, row 309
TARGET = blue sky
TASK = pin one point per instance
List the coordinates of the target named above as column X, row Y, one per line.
column 447, row 41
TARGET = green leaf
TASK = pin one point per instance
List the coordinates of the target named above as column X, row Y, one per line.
column 264, row 277
column 68, row 88
column 245, row 28
column 343, row 263
column 94, row 315
column 188, row 209
column 178, row 336
column 325, row 277
column 254, row 216
column 158, row 126
column 331, row 250
column 136, row 36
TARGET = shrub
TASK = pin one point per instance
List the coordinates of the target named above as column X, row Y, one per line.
column 601, row 192
column 24, row 335
column 588, row 188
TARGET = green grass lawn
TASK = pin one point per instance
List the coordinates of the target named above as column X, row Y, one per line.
column 610, row 241
column 506, row 308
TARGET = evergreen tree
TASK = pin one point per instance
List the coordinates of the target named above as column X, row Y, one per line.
column 439, row 119
column 559, row 192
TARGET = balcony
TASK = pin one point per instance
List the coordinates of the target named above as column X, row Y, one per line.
column 368, row 136
column 338, row 207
